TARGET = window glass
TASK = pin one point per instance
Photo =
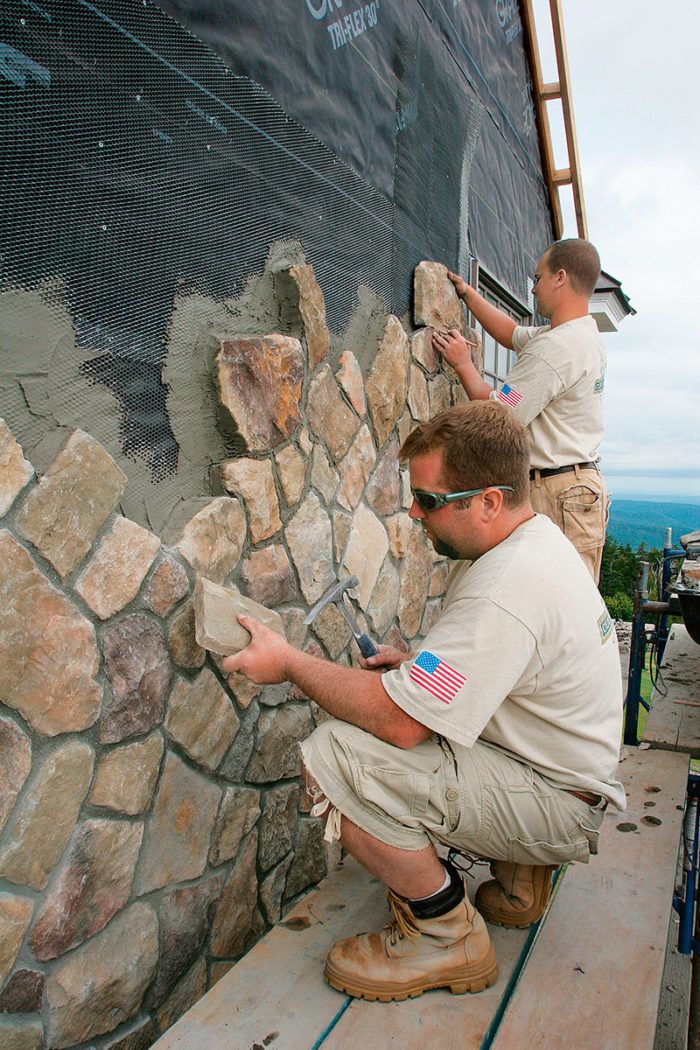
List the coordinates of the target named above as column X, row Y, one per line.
column 498, row 361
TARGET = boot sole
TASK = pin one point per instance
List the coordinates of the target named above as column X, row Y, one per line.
column 385, row 993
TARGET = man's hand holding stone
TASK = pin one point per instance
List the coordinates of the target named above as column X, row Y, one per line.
column 264, row 660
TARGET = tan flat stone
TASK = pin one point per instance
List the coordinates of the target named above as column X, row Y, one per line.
column 216, row 610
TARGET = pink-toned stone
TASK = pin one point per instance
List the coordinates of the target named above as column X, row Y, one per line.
column 137, row 667
column 436, row 304
column 331, row 628
column 394, row 638
column 254, row 481
column 367, row 547
column 176, row 842
column 102, row 984
column 399, row 528
column 384, row 491
column 118, row 567
column 185, row 915
column 330, row 418
column 242, row 688
column 23, row 993
column 291, row 467
column 126, row 776
column 15, row 763
column 294, row 626
column 416, row 572
column 385, row 599
column 15, row 915
column 439, row 393
column 217, row 970
column 182, row 641
column 312, row 308
column 15, row 471
column 48, row 655
column 166, row 587
column 279, row 732
column 42, row 823
column 355, row 469
column 387, row 381
column 238, row 814
column 342, row 523
column 324, row 477
column 187, row 991
column 235, row 915
column 418, row 399
column 213, row 538
column 422, row 350
column 305, row 443
column 404, row 427
column 349, row 376
column 201, row 719
column 308, row 536
column 260, row 383
column 268, row 577
column 71, row 503
column 92, row 886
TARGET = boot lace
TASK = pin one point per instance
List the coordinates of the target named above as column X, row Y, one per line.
column 401, row 925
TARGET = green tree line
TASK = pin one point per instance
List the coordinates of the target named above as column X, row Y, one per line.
column 618, row 576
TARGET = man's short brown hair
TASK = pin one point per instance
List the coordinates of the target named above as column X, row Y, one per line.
column 581, row 261
column 482, row 444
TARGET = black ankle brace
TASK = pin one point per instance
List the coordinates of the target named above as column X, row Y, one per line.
column 442, row 902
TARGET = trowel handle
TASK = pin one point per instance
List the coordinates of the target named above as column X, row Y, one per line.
column 367, row 646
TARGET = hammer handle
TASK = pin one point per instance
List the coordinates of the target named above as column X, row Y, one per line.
column 367, row 646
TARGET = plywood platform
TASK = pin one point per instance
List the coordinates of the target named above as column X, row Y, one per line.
column 674, row 719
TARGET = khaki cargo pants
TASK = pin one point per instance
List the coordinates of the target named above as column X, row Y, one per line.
column 578, row 503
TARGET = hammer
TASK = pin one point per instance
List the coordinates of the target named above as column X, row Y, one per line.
column 335, row 595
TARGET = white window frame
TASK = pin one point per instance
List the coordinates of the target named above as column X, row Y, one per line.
column 496, row 359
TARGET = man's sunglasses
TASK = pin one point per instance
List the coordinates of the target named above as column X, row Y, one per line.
column 428, row 501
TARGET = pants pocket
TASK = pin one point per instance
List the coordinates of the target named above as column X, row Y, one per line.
column 403, row 796
column 523, row 851
column 583, row 516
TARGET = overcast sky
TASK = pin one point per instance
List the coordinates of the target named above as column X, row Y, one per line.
column 634, row 75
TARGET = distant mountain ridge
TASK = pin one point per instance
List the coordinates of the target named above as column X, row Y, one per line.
column 637, row 521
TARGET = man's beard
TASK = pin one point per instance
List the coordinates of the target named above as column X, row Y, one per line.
column 446, row 550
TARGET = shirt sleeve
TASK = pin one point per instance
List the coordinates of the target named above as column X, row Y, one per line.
column 470, row 662
column 529, row 387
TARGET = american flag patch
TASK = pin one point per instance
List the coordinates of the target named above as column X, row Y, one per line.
column 433, row 674
column 509, row 396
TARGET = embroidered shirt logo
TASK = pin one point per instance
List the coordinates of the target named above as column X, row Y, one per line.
column 433, row 674
column 509, row 396
column 599, row 384
column 605, row 626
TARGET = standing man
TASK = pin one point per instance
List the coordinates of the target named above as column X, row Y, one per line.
column 555, row 389
column 499, row 738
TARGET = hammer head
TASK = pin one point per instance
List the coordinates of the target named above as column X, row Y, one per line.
column 332, row 596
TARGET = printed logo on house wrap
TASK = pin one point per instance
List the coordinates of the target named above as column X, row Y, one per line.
column 433, row 674
column 509, row 396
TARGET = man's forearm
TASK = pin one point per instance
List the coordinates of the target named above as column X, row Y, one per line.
column 497, row 323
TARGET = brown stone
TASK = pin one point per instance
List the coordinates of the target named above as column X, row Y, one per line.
column 279, row 813
column 438, row 579
column 458, row 394
column 102, row 983
column 138, row 669
column 304, row 441
column 416, row 572
column 48, row 655
column 41, row 824
column 15, row 471
column 394, row 638
column 418, row 399
column 216, row 615
column 201, row 719
column 324, row 477
column 71, row 503
column 118, row 567
column 139, row 1038
column 234, row 921
column 213, row 539
column 422, row 350
column 331, row 627
column 330, row 418
column 355, row 469
column 308, row 536
column 23, row 993
column 439, row 393
column 92, row 886
column 399, row 528
column 312, row 307
column 217, row 970
column 182, row 637
column 384, row 491
column 238, row 814
column 385, row 599
column 342, row 524
column 234, row 766
column 185, row 994
column 291, row 468
column 254, row 481
column 176, row 842
column 15, row 1036
column 126, row 776
column 260, row 382
column 387, row 381
column 185, row 915
column 404, row 427
column 242, row 688
column 166, row 587
column 272, row 889
column 350, row 378
column 367, row 547
column 15, row 763
column 294, row 626
column 268, row 577
column 436, row 303
column 280, row 731
column 15, row 914
column 309, row 864
column 431, row 615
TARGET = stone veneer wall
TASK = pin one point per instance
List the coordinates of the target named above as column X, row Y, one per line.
column 152, row 824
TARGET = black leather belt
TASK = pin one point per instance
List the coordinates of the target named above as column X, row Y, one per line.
column 550, row 472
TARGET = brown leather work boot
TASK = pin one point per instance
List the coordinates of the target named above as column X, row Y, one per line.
column 411, row 955
column 517, row 895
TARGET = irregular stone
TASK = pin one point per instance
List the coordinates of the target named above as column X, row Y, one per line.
column 213, row 539
column 304, row 441
column 418, row 399
column 185, row 915
column 15, row 914
column 139, row 1038
column 242, row 688
column 279, row 812
column 233, row 767
column 331, row 627
column 385, row 599
column 15, row 763
column 399, row 528
column 324, row 477
column 387, row 381
column 48, row 654
column 216, row 617
column 342, row 523
column 234, row 921
column 118, row 567
column 439, row 393
column 137, row 667
column 384, row 491
column 365, row 553
column 312, row 307
column 438, row 579
column 355, row 469
column 126, row 776
column 280, row 730
column 15, row 471
column 349, row 376
column 274, row 695
column 330, row 418
column 24, row 992
column 268, row 576
column 102, row 984
column 92, row 886
column 176, row 842
column 309, row 864
column 259, row 380
column 436, row 304
column 294, row 626
column 291, row 468
column 416, row 571
column 458, row 394
column 406, row 494
column 201, row 719
column 308, row 536
column 422, row 350
column 71, row 503
column 182, row 638
column 404, row 428
column 166, row 587
column 185, row 994
column 272, row 888
column 431, row 615
column 42, row 823
column 217, row 970
column 21, row 1037
column 254, row 481
column 238, row 814
column 394, row 638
